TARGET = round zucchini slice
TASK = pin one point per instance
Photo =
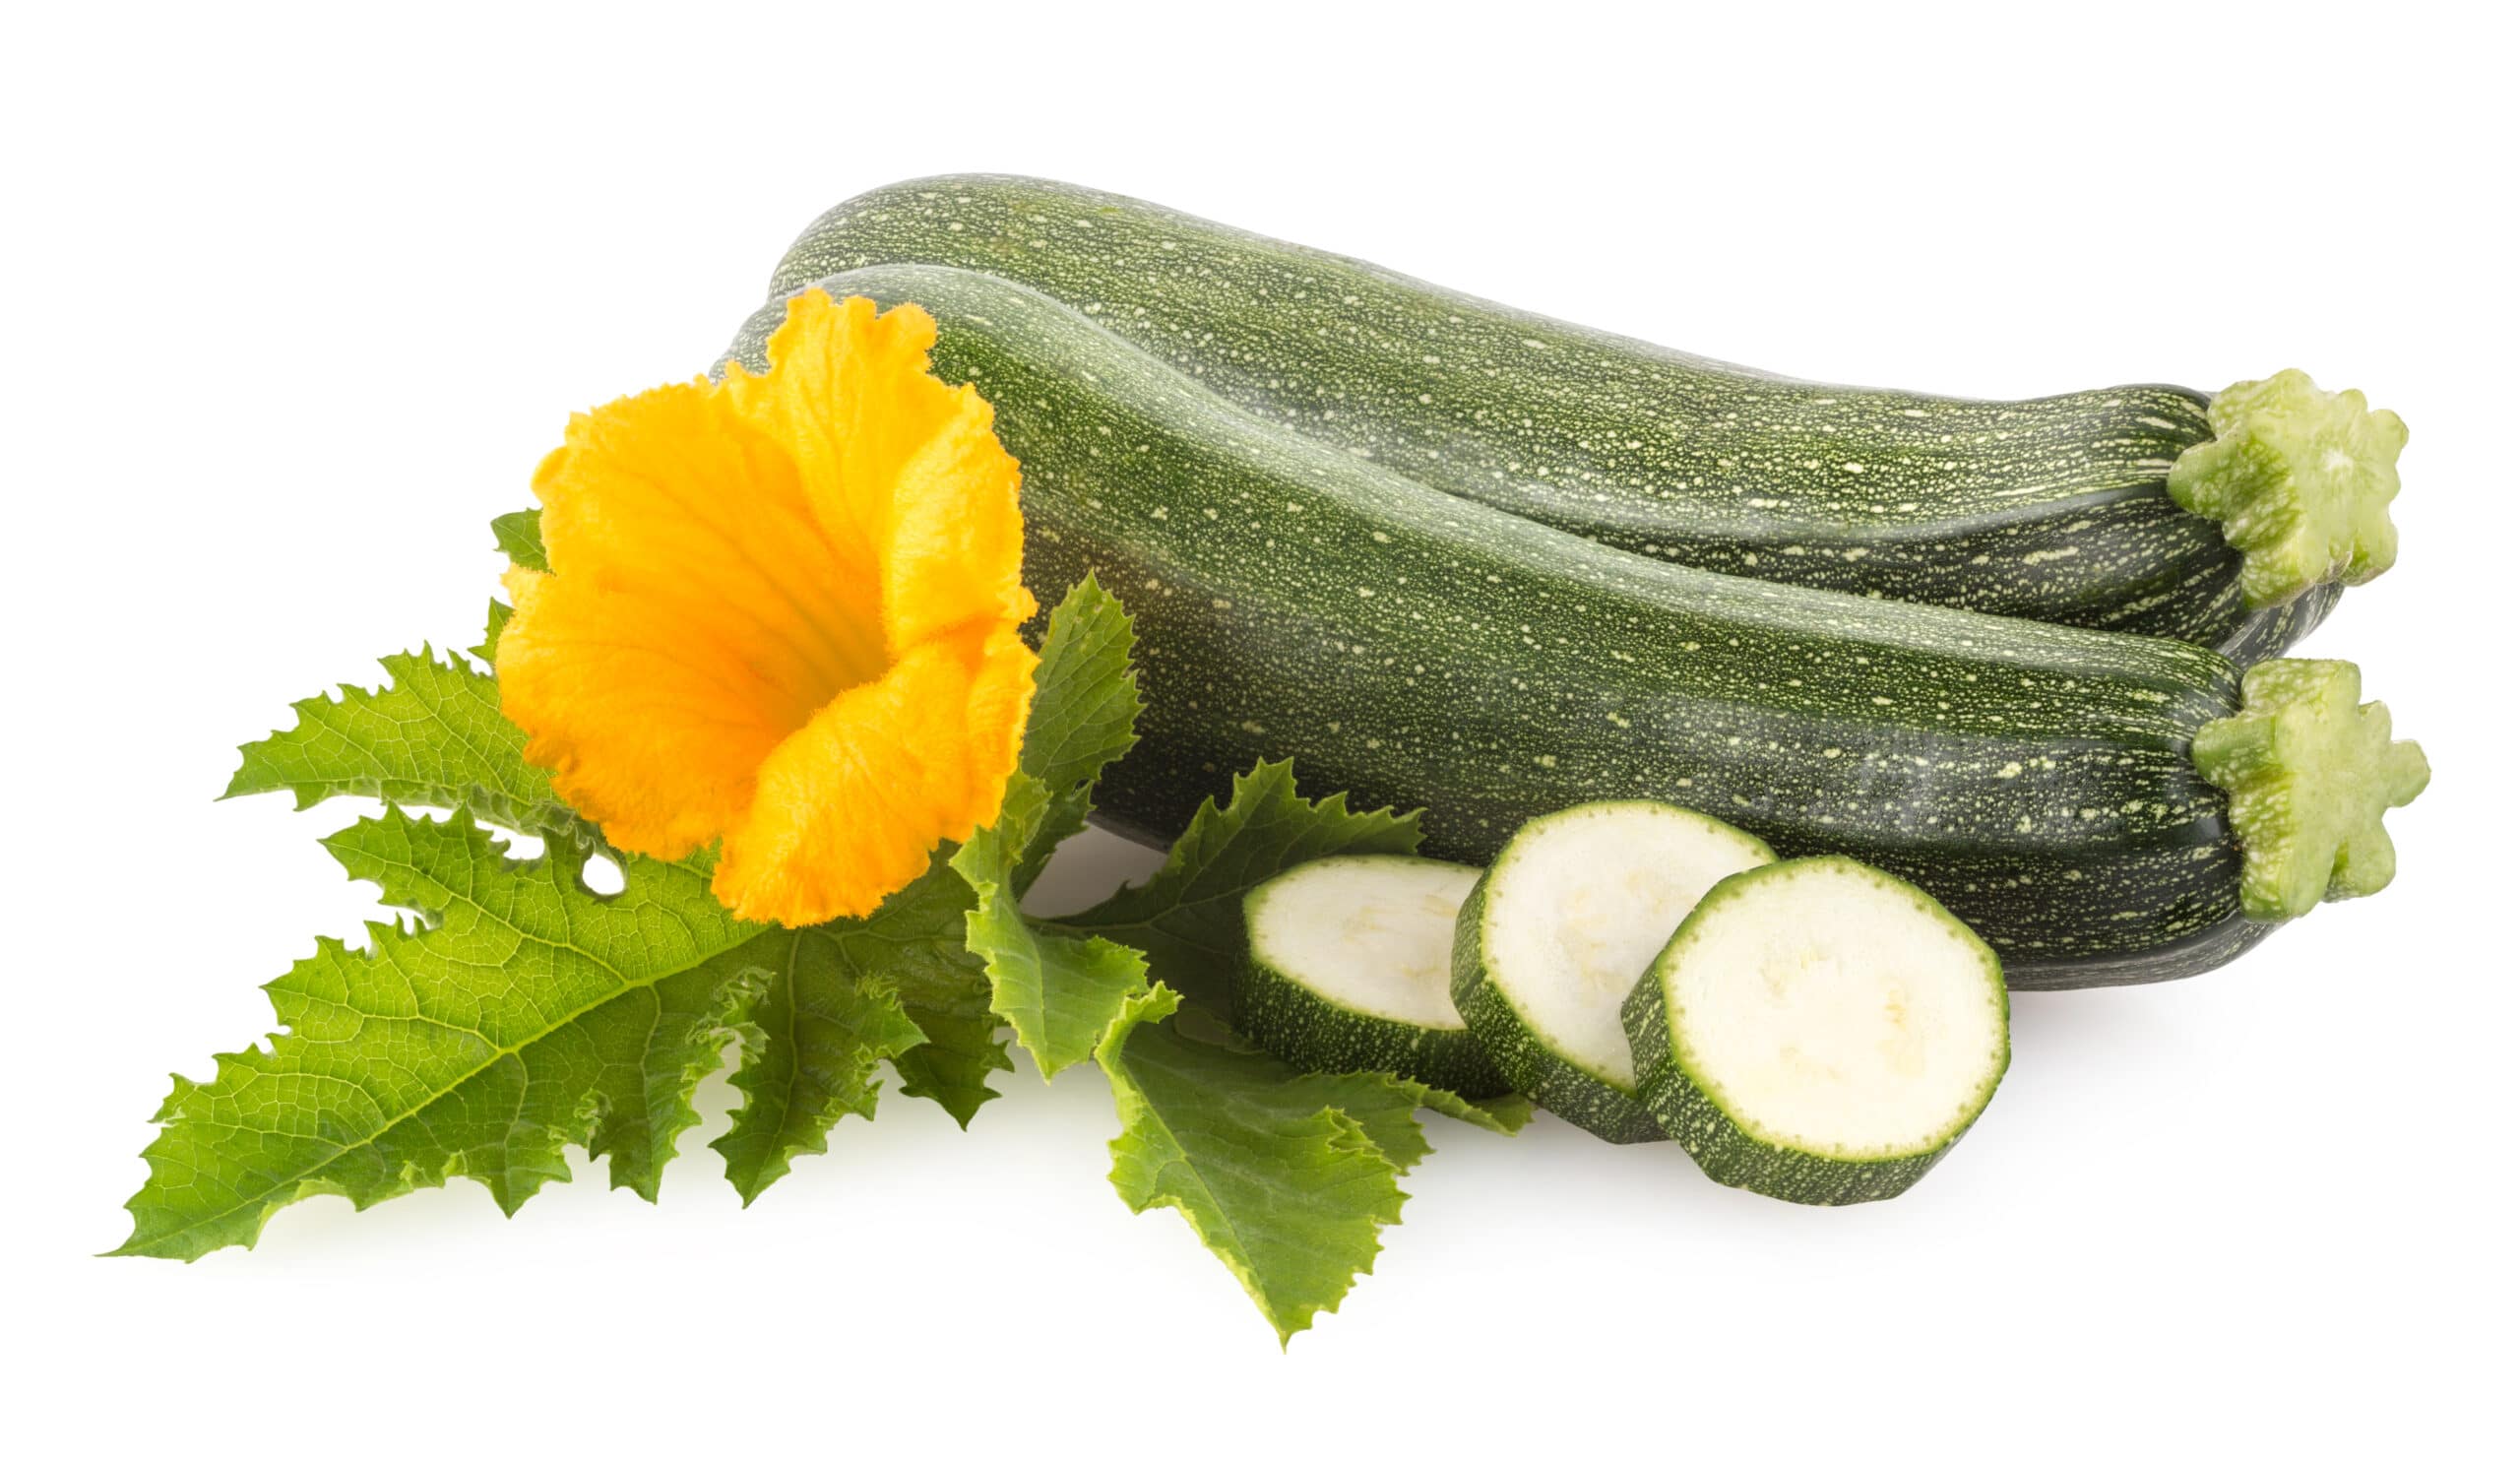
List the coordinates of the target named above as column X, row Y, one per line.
column 1558, row 932
column 1345, row 969
column 1820, row 1031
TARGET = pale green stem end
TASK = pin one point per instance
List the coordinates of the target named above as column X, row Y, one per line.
column 2309, row 772
column 2301, row 479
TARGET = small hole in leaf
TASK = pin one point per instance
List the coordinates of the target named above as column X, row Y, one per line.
column 601, row 875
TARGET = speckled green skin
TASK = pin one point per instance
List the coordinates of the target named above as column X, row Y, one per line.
column 1730, row 1150
column 1530, row 1064
column 1310, row 1031
column 2055, row 509
column 1419, row 650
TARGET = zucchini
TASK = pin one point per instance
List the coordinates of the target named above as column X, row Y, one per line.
column 1819, row 1031
column 1559, row 931
column 1420, row 650
column 1345, row 969
column 2079, row 509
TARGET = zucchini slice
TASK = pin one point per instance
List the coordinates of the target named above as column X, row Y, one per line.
column 1819, row 1031
column 1346, row 971
column 1559, row 931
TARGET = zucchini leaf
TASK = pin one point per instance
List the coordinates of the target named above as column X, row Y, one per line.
column 1502, row 1114
column 488, row 651
column 432, row 736
column 915, row 944
column 953, row 948
column 1061, row 992
column 523, row 1014
column 826, row 1016
column 1384, row 1104
column 519, row 536
column 1187, row 917
column 896, row 985
column 1084, row 718
column 1288, row 1178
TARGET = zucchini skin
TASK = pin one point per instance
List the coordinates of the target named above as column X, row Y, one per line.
column 1527, row 1063
column 1302, row 1028
column 1731, row 1156
column 1421, row 650
column 2055, row 509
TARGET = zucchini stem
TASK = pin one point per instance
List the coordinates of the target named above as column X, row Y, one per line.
column 2301, row 479
column 2309, row 772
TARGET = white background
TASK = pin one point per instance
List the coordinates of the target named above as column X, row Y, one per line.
column 295, row 300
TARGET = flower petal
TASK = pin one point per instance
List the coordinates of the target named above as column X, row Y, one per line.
column 954, row 556
column 782, row 616
column 696, row 616
column 637, row 730
column 897, row 464
column 1000, row 701
column 671, row 495
column 850, row 807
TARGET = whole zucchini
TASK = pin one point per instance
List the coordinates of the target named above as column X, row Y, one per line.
column 2067, row 509
column 1418, row 649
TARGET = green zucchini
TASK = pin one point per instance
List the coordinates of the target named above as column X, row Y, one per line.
column 1420, row 650
column 2078, row 509
column 1558, row 931
column 1346, row 966
column 1819, row 1031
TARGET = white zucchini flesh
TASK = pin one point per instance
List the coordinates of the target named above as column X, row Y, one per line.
column 1348, row 968
column 1579, row 903
column 1820, row 1031
column 1559, row 931
column 1372, row 933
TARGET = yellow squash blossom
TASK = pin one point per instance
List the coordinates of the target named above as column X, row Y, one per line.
column 780, row 617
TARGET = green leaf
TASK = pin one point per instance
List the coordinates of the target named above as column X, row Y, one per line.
column 519, row 536
column 1187, row 917
column 1084, row 718
column 433, row 736
column 1085, row 703
column 524, row 1014
column 1060, row 991
column 1387, row 1107
column 1501, row 1114
column 1384, row 1104
column 915, row 943
column 1290, row 1190
column 488, row 651
column 822, row 1025
column 897, row 985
